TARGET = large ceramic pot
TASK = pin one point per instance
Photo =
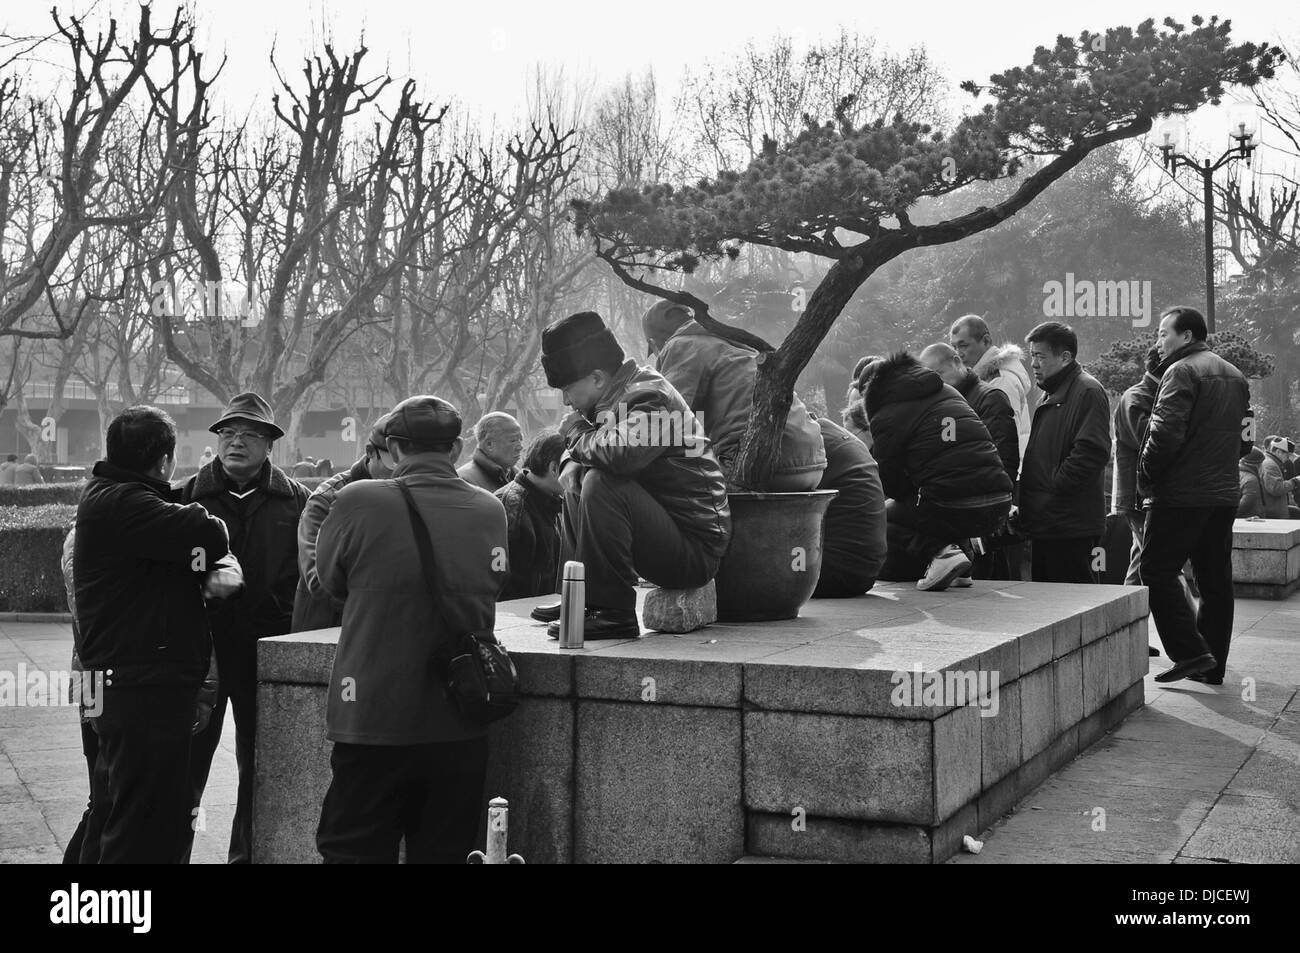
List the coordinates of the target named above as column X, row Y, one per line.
column 771, row 568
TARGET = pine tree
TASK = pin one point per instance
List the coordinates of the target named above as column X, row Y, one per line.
column 843, row 191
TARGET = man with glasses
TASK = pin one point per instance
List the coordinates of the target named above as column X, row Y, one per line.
column 260, row 506
column 313, row 607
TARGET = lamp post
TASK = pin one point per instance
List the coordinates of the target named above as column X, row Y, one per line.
column 1242, row 129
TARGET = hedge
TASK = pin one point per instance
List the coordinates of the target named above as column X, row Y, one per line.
column 41, row 494
column 31, row 544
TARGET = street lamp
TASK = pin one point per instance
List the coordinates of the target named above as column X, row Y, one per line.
column 1243, row 125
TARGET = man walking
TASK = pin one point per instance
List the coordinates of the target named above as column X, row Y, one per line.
column 1062, row 477
column 405, row 764
column 260, row 505
column 632, row 506
column 142, row 637
column 1187, row 468
column 500, row 442
column 313, row 607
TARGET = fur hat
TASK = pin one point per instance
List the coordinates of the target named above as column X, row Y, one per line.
column 575, row 346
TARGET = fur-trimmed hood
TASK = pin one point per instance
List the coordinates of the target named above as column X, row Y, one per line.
column 210, row 480
column 900, row 377
column 1002, row 357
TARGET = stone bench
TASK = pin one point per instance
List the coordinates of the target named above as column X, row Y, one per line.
column 1265, row 558
column 781, row 739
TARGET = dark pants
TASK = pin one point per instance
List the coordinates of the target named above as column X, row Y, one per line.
column 86, row 836
column 917, row 532
column 431, row 795
column 140, row 787
column 619, row 531
column 1063, row 560
column 841, row 582
column 237, row 665
column 1204, row 535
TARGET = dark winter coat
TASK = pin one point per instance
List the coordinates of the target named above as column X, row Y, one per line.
column 854, row 545
column 716, row 378
column 1132, row 413
column 994, row 408
column 313, row 607
column 927, row 440
column 1063, row 476
column 1196, row 434
column 681, row 474
column 138, row 580
column 264, row 538
column 385, row 687
column 533, row 527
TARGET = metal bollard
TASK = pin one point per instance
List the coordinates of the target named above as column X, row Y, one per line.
column 497, row 829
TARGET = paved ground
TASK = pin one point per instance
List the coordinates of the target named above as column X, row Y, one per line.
column 43, row 784
column 1200, row 775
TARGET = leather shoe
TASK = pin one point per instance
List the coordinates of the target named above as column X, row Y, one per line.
column 604, row 624
column 550, row 613
column 1191, row 666
column 1206, row 678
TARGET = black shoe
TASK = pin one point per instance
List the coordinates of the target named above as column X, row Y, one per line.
column 604, row 624
column 1206, row 678
column 549, row 613
column 1191, row 666
column 1153, row 651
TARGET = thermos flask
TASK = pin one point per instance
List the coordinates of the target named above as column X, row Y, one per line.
column 573, row 605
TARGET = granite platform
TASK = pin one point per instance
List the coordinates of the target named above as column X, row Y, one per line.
column 876, row 729
column 1265, row 558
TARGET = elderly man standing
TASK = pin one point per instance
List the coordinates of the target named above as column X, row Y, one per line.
column 406, row 764
column 1000, row 366
column 313, row 607
column 260, row 505
column 500, row 444
column 1187, row 470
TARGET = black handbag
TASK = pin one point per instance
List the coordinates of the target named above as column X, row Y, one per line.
column 476, row 669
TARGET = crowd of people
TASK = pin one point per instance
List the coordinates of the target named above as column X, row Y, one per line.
column 946, row 468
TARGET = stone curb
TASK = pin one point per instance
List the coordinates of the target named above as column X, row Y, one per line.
column 35, row 616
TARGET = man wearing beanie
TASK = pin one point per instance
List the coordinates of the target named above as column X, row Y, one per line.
column 644, row 495
column 405, row 764
column 313, row 607
column 716, row 378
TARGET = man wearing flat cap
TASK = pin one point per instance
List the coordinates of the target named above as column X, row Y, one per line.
column 644, row 494
column 405, row 764
column 313, row 607
column 260, row 505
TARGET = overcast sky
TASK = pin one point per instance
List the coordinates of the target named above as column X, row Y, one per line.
column 482, row 53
